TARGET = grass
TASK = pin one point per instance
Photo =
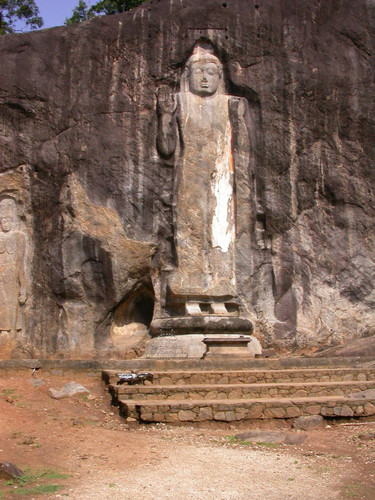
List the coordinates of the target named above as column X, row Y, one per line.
column 34, row 482
column 235, row 440
column 353, row 490
column 268, row 445
column 39, row 489
column 7, row 392
column 319, row 469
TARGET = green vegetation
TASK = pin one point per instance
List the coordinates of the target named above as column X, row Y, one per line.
column 34, row 482
column 104, row 7
column 7, row 392
column 234, row 440
column 268, row 445
column 353, row 490
column 39, row 489
column 319, row 469
column 12, row 11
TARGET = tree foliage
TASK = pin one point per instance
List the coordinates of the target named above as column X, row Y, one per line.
column 12, row 11
column 80, row 13
column 83, row 12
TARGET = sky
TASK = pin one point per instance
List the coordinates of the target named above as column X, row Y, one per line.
column 54, row 12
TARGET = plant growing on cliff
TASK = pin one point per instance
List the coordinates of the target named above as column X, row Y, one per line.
column 12, row 11
column 105, row 7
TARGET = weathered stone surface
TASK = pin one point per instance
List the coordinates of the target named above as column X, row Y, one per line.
column 313, row 410
column 36, row 382
column 368, row 394
column 272, row 437
column 9, row 471
column 369, row 409
column 186, row 415
column 69, row 390
column 95, row 199
column 309, row 422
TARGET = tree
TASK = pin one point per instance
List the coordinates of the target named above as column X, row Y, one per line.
column 12, row 11
column 82, row 12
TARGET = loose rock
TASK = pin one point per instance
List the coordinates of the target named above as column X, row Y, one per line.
column 70, row 389
column 9, row 471
column 309, row 422
column 272, row 437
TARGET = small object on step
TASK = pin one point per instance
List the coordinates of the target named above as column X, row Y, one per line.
column 134, row 378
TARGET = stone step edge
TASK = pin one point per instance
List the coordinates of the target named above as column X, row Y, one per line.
column 244, row 371
column 260, row 385
column 239, row 402
column 208, row 410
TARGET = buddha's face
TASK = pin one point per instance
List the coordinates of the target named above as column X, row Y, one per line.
column 7, row 223
column 204, row 78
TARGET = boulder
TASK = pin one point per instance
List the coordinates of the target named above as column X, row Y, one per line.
column 69, row 390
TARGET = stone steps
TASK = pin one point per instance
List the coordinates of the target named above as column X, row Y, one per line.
column 251, row 376
column 244, row 409
column 194, row 395
column 235, row 391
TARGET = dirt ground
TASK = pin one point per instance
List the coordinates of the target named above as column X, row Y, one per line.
column 79, row 448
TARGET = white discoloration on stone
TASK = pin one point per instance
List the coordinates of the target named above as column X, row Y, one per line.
column 222, row 188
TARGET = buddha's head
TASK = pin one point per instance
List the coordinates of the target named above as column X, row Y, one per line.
column 8, row 215
column 204, row 72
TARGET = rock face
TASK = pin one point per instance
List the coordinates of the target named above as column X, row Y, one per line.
column 92, row 200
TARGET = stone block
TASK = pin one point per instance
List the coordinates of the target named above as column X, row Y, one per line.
column 235, row 394
column 241, row 413
column 327, row 412
column 313, row 409
column 306, row 423
column 300, row 394
column 147, row 417
column 165, row 381
column 171, row 417
column 177, row 396
column 186, row 416
column 369, row 409
column 222, row 395
column 347, row 411
column 256, row 411
column 205, row 413
column 224, row 380
column 292, row 411
column 358, row 411
column 212, row 395
column 159, row 417
column 220, row 415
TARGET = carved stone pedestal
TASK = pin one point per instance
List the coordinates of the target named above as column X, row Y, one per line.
column 227, row 347
column 182, row 325
column 194, row 346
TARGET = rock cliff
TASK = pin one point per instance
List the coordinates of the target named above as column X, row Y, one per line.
column 94, row 198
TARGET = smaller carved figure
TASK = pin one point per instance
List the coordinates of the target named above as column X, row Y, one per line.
column 12, row 268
